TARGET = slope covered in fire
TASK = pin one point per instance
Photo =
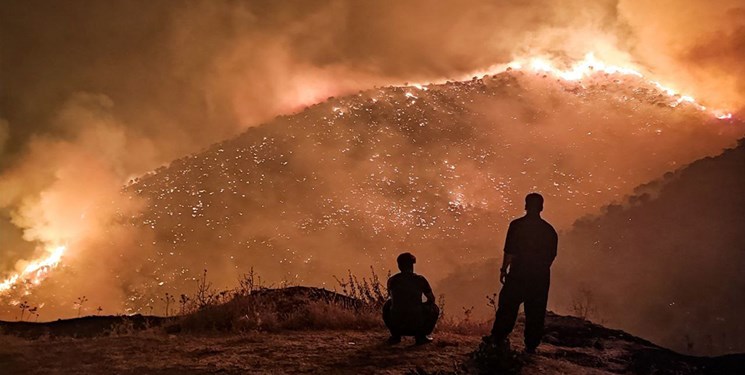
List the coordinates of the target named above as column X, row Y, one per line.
column 436, row 170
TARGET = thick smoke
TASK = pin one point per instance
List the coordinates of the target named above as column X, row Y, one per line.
column 186, row 75
column 65, row 190
column 3, row 134
column 96, row 93
column 698, row 45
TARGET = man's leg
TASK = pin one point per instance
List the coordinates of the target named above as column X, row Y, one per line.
column 390, row 324
column 507, row 308
column 430, row 314
column 535, row 315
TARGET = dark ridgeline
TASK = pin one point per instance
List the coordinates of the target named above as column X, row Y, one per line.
column 667, row 263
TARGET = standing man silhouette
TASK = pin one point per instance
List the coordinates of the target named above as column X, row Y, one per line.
column 529, row 251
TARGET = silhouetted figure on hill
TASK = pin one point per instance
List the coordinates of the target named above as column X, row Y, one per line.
column 405, row 314
column 529, row 250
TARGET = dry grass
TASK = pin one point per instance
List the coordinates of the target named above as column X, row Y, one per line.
column 292, row 308
column 255, row 307
column 462, row 325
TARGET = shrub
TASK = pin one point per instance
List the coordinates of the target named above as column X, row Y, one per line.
column 294, row 308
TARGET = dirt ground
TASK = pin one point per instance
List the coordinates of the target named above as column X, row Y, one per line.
column 571, row 346
column 326, row 352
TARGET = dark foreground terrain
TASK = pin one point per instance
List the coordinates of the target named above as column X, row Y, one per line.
column 143, row 345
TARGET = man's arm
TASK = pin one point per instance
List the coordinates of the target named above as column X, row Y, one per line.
column 506, row 261
column 388, row 288
column 427, row 291
column 554, row 245
column 430, row 297
column 509, row 253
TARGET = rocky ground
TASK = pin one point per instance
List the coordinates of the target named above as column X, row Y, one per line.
column 572, row 346
column 328, row 352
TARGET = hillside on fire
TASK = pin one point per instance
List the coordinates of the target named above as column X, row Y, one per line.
column 311, row 330
column 438, row 170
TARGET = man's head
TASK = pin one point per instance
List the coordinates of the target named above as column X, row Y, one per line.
column 406, row 262
column 533, row 203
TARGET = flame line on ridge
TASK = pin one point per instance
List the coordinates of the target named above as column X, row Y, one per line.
column 584, row 68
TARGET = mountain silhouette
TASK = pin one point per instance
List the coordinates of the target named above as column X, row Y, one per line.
column 668, row 261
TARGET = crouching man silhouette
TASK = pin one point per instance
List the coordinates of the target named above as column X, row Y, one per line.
column 529, row 251
column 405, row 314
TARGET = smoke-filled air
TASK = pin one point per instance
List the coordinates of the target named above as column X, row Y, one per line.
column 144, row 142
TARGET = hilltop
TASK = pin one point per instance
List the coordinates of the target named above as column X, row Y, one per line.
column 135, row 345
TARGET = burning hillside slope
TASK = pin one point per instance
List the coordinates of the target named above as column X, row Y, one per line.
column 348, row 183
column 437, row 170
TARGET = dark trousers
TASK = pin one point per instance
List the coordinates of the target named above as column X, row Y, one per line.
column 417, row 321
column 531, row 290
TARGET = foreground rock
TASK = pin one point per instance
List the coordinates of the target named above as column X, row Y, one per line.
column 577, row 346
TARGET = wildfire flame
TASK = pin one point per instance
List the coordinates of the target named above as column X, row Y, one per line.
column 35, row 271
column 586, row 68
